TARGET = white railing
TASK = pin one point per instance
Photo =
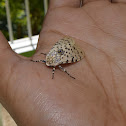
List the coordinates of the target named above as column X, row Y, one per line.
column 24, row 44
column 30, row 44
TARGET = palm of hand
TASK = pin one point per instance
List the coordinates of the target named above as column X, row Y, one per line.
column 99, row 28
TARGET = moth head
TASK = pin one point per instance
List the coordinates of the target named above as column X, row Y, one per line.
column 60, row 51
column 53, row 58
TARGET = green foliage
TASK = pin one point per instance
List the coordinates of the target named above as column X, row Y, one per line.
column 28, row 54
column 18, row 17
column 3, row 20
column 37, row 15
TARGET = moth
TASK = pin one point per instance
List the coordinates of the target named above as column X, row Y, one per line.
column 63, row 52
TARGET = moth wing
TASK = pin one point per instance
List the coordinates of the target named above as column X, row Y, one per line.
column 78, row 53
column 62, row 43
column 73, row 53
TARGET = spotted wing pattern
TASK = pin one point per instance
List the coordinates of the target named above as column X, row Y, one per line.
column 64, row 51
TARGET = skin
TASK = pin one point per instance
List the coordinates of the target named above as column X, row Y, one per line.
column 97, row 97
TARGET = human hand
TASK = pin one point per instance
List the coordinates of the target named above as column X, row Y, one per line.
column 97, row 96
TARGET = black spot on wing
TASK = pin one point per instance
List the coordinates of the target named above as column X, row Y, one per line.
column 72, row 60
column 67, row 61
column 80, row 57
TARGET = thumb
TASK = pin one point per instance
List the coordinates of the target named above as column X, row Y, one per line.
column 7, row 60
column 7, row 55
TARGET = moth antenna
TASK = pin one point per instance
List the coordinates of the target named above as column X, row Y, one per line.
column 44, row 54
column 39, row 61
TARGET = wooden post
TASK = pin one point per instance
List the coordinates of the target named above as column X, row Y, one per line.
column 45, row 6
column 9, row 21
column 28, row 21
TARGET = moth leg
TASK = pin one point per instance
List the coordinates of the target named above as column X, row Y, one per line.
column 44, row 54
column 53, row 71
column 65, row 71
column 39, row 61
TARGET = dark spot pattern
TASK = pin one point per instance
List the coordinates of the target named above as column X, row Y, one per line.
column 72, row 59
column 71, row 52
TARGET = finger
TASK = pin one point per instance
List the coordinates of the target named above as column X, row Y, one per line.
column 5, row 46
column 61, row 3
column 118, row 1
column 7, row 56
column 86, row 1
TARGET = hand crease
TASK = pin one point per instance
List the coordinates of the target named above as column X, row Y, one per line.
column 107, row 55
column 59, row 7
column 117, row 37
column 98, row 79
column 11, row 73
column 116, row 96
column 95, row 1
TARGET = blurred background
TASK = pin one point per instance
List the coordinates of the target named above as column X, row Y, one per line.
column 21, row 22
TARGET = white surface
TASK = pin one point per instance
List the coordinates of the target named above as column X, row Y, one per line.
column 24, row 44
